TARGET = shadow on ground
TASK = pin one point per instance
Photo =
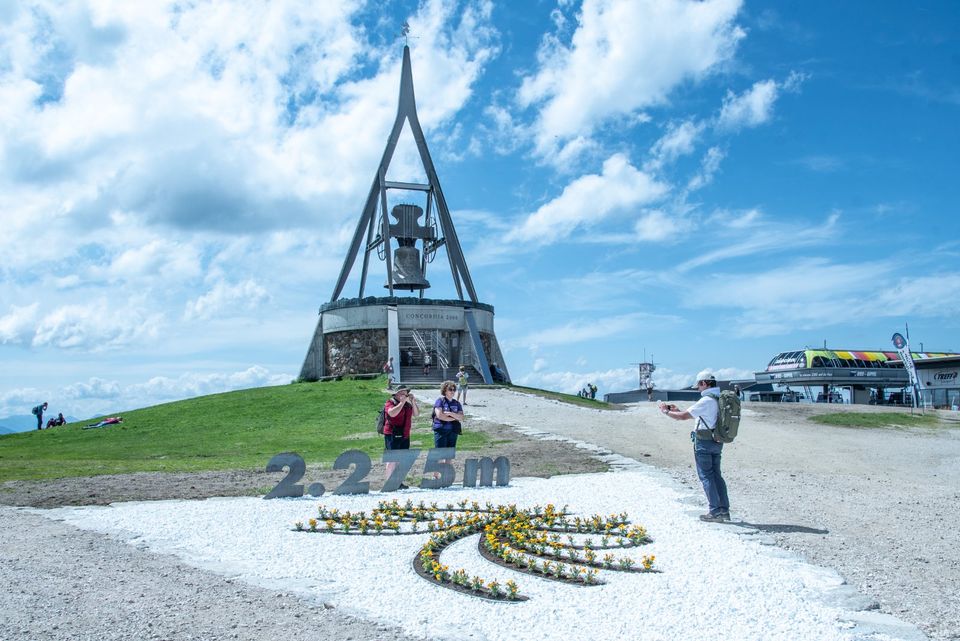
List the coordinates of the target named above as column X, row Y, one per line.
column 780, row 528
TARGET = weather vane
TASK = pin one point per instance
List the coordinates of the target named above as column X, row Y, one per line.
column 405, row 32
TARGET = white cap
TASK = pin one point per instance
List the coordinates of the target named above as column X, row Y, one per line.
column 705, row 375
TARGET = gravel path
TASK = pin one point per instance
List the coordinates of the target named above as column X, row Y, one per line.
column 63, row 583
column 874, row 504
column 878, row 505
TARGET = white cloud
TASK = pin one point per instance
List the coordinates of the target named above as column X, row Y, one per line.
column 742, row 220
column 656, row 225
column 21, row 400
column 588, row 200
column 822, row 163
column 156, row 259
column 94, row 327
column 709, row 166
column 191, row 384
column 766, row 238
column 935, row 295
column 586, row 330
column 624, row 56
column 224, row 298
column 679, row 140
column 97, row 396
column 95, row 388
column 749, row 109
column 807, row 294
column 150, row 152
column 17, row 327
column 612, row 380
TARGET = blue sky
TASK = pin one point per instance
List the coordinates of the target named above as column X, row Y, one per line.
column 707, row 182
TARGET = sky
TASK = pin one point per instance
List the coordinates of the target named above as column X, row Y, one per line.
column 700, row 184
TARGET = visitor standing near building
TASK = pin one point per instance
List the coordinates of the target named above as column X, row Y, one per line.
column 447, row 420
column 38, row 412
column 463, row 379
column 388, row 370
column 426, row 363
column 399, row 411
column 706, row 451
column 447, row 417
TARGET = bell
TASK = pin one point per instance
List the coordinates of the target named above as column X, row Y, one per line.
column 406, row 269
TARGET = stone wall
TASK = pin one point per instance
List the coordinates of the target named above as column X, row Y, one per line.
column 356, row 351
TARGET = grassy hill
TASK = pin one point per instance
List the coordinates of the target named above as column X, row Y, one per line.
column 234, row 430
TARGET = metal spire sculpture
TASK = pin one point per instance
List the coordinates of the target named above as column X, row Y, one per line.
column 405, row 269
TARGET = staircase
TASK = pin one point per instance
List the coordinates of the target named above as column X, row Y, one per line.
column 414, row 346
column 413, row 375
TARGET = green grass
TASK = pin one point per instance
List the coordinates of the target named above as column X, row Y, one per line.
column 235, row 430
column 870, row 419
column 566, row 398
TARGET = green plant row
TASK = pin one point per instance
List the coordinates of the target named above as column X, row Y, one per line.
column 876, row 419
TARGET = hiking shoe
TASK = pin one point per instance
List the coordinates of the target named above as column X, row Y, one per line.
column 403, row 487
column 719, row 517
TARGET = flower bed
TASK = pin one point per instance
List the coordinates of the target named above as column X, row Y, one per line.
column 527, row 541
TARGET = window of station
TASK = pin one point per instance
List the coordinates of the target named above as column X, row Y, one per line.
column 789, row 358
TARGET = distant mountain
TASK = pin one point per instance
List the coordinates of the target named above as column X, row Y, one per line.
column 25, row 422
column 19, row 423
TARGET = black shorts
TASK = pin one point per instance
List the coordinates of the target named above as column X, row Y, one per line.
column 392, row 442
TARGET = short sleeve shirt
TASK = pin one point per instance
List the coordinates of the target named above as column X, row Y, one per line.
column 442, row 403
column 400, row 424
column 707, row 407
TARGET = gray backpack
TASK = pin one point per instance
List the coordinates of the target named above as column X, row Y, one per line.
column 728, row 417
column 381, row 419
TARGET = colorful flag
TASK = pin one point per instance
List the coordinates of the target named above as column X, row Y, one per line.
column 903, row 349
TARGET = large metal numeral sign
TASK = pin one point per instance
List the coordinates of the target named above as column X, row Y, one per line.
column 487, row 466
column 288, row 485
column 361, row 467
column 438, row 471
column 404, row 460
column 438, row 462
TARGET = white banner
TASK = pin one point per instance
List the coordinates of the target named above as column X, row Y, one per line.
column 903, row 349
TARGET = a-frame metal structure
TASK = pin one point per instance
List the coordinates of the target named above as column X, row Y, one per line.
column 406, row 111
